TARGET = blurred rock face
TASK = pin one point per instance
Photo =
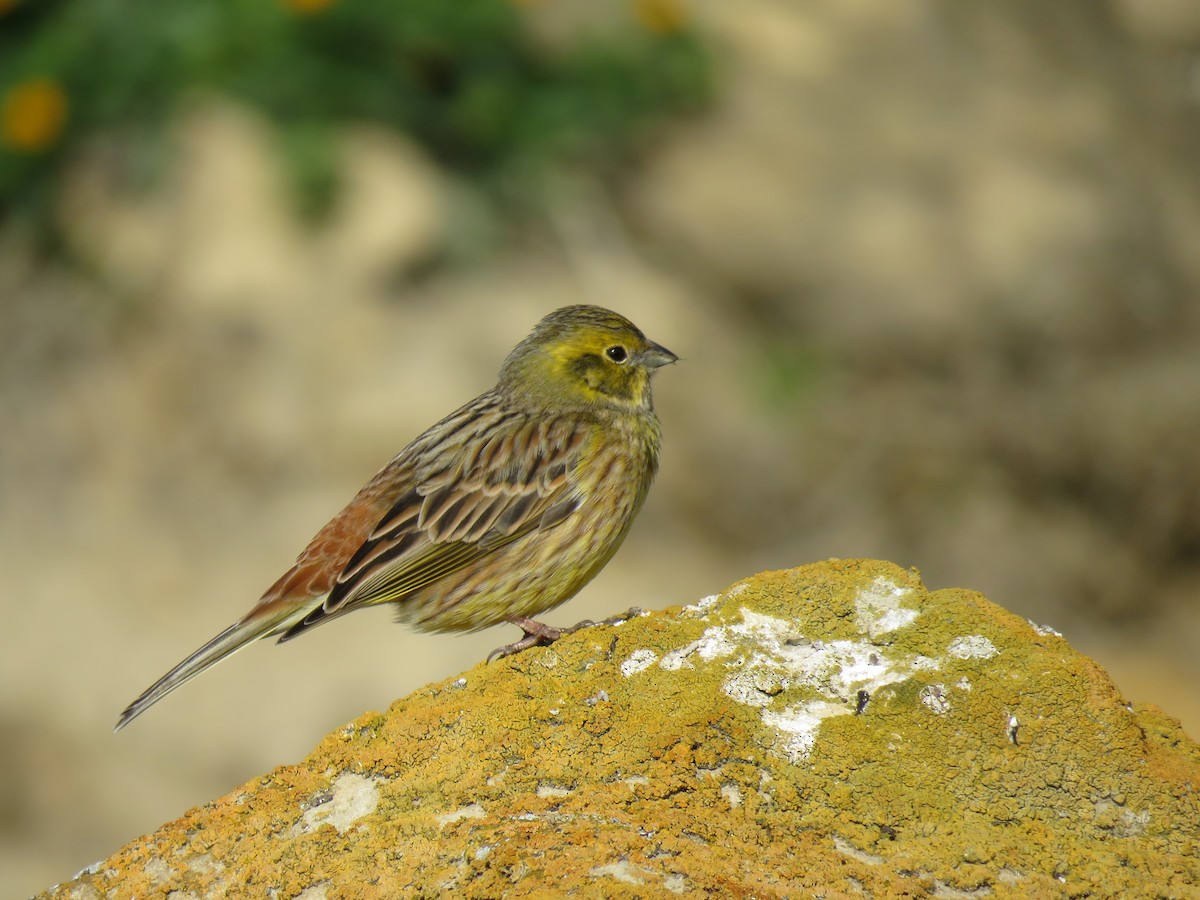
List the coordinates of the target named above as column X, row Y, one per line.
column 931, row 269
column 979, row 223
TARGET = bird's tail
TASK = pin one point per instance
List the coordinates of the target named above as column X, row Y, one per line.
column 234, row 638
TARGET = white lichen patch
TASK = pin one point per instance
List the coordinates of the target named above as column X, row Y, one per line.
column 677, row 659
column 715, row 643
column 1133, row 823
column 638, row 661
column 318, row 891
column 738, row 589
column 158, row 871
column 675, row 883
column 798, row 725
column 934, row 697
column 974, row 646
column 766, row 657
column 349, row 798
column 1043, row 630
column 623, row 871
column 473, row 811
column 753, row 687
column 1122, row 822
column 732, row 794
column 844, row 847
column 204, row 864
column 552, row 790
column 943, row 891
column 95, row 867
column 703, row 605
column 879, row 608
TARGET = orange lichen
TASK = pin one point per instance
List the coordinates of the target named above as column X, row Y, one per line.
column 683, row 776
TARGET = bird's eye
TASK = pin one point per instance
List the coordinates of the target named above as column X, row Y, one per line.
column 617, row 353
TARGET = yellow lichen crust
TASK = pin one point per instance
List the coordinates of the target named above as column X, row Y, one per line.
column 833, row 730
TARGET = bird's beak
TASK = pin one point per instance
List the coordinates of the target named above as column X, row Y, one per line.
column 656, row 355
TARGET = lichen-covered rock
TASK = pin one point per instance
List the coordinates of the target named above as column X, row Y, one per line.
column 829, row 730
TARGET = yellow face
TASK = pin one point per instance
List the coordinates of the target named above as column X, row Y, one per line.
column 585, row 355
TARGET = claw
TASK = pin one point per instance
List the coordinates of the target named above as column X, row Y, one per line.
column 535, row 634
column 538, row 634
column 621, row 618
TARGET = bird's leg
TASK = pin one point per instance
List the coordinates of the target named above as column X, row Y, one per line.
column 619, row 619
column 539, row 634
column 536, row 634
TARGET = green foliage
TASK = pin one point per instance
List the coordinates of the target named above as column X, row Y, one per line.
column 789, row 374
column 463, row 77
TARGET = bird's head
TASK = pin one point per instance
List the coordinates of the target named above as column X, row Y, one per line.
column 584, row 356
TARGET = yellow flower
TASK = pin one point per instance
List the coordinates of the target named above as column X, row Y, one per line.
column 660, row 16
column 32, row 115
column 501, row 511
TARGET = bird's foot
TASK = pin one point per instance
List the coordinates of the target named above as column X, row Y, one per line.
column 538, row 634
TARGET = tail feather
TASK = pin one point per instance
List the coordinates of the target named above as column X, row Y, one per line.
column 228, row 642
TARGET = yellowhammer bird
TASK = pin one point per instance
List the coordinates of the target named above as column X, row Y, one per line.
column 499, row 512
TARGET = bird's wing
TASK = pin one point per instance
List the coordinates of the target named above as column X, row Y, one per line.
column 508, row 476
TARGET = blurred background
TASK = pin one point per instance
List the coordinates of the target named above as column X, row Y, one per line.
column 932, row 268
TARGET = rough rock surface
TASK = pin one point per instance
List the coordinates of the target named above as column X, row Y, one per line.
column 831, row 730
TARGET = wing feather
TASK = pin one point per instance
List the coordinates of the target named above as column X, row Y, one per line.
column 518, row 482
